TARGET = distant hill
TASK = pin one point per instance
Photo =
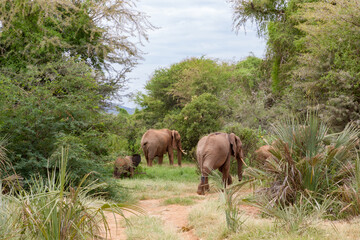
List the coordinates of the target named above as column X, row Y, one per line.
column 112, row 109
column 129, row 110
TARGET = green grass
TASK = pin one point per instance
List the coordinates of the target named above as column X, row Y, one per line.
column 161, row 182
column 168, row 173
column 142, row 189
column 183, row 201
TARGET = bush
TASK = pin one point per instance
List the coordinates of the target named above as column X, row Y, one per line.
column 201, row 116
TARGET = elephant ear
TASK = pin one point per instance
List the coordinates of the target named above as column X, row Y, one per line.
column 232, row 140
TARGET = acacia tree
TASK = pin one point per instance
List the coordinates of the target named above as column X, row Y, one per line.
column 101, row 33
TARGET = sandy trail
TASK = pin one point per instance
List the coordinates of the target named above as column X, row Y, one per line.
column 173, row 216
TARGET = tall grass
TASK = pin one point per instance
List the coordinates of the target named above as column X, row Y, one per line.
column 53, row 209
column 231, row 200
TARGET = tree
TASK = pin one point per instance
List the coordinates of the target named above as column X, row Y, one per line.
column 96, row 32
column 42, row 105
column 59, row 62
column 274, row 20
column 259, row 11
column 201, row 116
column 170, row 89
column 328, row 73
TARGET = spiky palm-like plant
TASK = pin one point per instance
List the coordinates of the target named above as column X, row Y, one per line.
column 231, row 200
column 307, row 159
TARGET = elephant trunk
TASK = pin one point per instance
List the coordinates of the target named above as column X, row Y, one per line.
column 179, row 156
column 240, row 165
column 240, row 162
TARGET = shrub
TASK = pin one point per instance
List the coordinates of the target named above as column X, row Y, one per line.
column 199, row 117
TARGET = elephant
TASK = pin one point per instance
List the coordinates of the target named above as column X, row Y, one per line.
column 156, row 142
column 125, row 166
column 261, row 155
column 214, row 152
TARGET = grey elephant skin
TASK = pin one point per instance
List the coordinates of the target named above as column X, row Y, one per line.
column 213, row 152
column 124, row 166
column 157, row 142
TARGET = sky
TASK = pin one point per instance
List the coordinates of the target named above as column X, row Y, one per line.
column 190, row 28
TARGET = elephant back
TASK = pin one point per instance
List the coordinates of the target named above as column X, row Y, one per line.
column 156, row 135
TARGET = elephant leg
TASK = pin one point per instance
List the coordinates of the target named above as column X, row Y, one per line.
column 161, row 157
column 204, row 183
column 225, row 170
column 151, row 157
column 147, row 159
column 171, row 156
column 229, row 180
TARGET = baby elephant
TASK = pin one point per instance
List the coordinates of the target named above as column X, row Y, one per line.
column 125, row 166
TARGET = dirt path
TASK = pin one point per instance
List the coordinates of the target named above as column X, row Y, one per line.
column 173, row 216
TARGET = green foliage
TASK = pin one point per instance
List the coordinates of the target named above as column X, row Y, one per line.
column 40, row 105
column 259, row 11
column 312, row 54
column 246, row 75
column 201, row 116
column 55, row 75
column 329, row 68
column 54, row 209
column 171, row 89
column 35, row 32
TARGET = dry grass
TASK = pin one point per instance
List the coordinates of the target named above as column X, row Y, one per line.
column 207, row 216
column 208, row 220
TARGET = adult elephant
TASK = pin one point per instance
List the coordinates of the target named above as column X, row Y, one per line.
column 125, row 166
column 213, row 152
column 156, row 142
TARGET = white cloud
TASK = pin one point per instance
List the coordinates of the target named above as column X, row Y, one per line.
column 190, row 28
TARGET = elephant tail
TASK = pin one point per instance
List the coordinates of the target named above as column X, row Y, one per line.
column 200, row 160
column 145, row 149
